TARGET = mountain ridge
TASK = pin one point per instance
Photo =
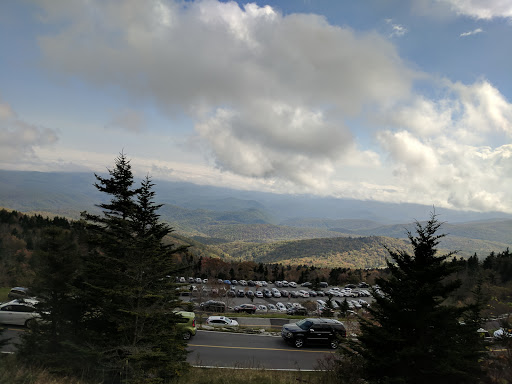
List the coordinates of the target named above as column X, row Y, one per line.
column 221, row 218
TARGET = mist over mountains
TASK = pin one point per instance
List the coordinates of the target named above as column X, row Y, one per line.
column 220, row 216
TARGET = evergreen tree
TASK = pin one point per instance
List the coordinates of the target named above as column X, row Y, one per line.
column 57, row 341
column 414, row 336
column 128, row 283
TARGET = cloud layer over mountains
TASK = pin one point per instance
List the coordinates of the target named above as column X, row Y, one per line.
column 290, row 102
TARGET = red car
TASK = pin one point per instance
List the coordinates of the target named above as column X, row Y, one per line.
column 247, row 308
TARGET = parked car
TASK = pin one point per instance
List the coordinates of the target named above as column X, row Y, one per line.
column 267, row 293
column 297, row 311
column 19, row 293
column 213, row 306
column 280, row 307
column 363, row 303
column 240, row 293
column 303, row 293
column 485, row 335
column 292, row 284
column 186, row 324
column 221, row 321
column 258, row 294
column 276, row 293
column 294, row 294
column 314, row 331
column 502, row 333
column 271, row 308
column 249, row 294
column 19, row 312
column 262, row 308
column 199, row 280
column 247, row 308
column 323, row 284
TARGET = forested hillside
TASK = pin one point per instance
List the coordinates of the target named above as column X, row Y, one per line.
column 346, row 252
column 264, row 233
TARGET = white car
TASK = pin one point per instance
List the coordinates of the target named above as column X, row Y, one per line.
column 303, row 293
column 261, row 308
column 19, row 312
column 222, row 322
column 292, row 284
column 271, row 308
column 258, row 294
column 281, row 307
column 501, row 334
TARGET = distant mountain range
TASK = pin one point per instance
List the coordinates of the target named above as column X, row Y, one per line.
column 268, row 227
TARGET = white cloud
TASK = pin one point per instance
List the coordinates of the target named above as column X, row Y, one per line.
column 397, row 30
column 282, row 102
column 271, row 139
column 19, row 139
column 287, row 82
column 473, row 32
column 440, row 151
column 482, row 9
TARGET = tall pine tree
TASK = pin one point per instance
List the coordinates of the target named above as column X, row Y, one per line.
column 415, row 336
column 128, row 285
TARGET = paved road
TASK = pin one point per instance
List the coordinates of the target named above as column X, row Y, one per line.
column 12, row 333
column 220, row 349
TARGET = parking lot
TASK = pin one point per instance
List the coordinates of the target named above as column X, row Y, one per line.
column 269, row 300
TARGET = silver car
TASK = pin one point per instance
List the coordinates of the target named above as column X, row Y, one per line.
column 19, row 312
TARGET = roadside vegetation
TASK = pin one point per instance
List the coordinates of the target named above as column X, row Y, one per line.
column 21, row 374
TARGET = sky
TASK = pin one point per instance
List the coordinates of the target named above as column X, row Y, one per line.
column 388, row 100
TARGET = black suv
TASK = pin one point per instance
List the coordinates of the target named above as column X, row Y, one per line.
column 314, row 331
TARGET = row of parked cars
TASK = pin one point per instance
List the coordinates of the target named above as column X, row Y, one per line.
column 220, row 306
column 277, row 293
column 253, row 283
